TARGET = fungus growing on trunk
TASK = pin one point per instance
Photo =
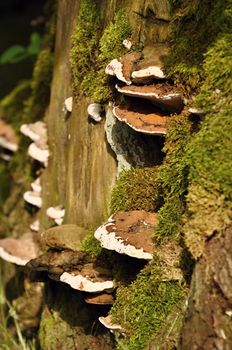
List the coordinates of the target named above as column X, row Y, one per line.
column 18, row 251
column 64, row 237
column 95, row 111
column 160, row 95
column 129, row 233
column 68, row 104
column 56, row 213
column 149, row 73
column 33, row 198
column 87, row 281
column 8, row 138
column 38, row 153
column 107, row 322
column 100, row 299
column 115, row 67
column 36, row 185
column 142, row 117
column 37, row 131
column 35, row 226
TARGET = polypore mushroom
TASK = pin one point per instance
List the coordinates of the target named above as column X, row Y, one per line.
column 149, row 73
column 37, row 131
column 129, row 233
column 160, row 94
column 18, row 251
column 64, row 237
column 100, row 299
column 68, row 104
column 84, row 284
column 55, row 263
column 142, row 117
column 33, row 198
column 127, row 44
column 90, row 278
column 107, row 322
column 8, row 145
column 196, row 111
column 36, row 185
column 39, row 154
column 35, row 226
column 115, row 67
column 8, row 138
column 94, row 111
column 55, row 212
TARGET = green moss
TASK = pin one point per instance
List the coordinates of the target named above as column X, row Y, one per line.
column 196, row 25
column 136, row 189
column 84, row 44
column 173, row 178
column 90, row 55
column 209, row 153
column 142, row 307
column 91, row 245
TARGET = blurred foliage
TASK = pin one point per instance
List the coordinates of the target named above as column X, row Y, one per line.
column 18, row 53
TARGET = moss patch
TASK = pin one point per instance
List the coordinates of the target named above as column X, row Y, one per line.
column 195, row 26
column 91, row 245
column 90, row 54
column 173, row 178
column 209, row 153
column 136, row 189
column 142, row 307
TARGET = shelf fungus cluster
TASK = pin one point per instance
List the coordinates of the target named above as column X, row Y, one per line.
column 19, row 250
column 129, row 233
column 34, row 197
column 8, row 141
column 38, row 149
column 56, row 213
column 148, row 99
column 65, row 262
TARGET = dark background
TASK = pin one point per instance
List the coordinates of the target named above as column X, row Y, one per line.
column 15, row 29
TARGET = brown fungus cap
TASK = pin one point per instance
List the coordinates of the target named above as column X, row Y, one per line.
column 129, row 233
column 142, row 117
column 64, row 237
column 161, row 95
column 19, row 251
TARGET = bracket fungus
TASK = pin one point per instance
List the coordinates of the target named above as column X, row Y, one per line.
column 129, row 233
column 57, row 262
column 35, row 226
column 38, row 153
column 56, row 213
column 160, row 95
column 142, row 117
column 36, row 185
column 18, row 251
column 115, row 67
column 33, row 198
column 149, row 73
column 90, row 282
column 8, row 139
column 67, row 236
column 68, row 104
column 37, row 131
column 100, row 299
column 107, row 322
column 196, row 111
column 95, row 111
column 127, row 44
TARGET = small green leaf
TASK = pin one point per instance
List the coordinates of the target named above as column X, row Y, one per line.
column 35, row 44
column 13, row 54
